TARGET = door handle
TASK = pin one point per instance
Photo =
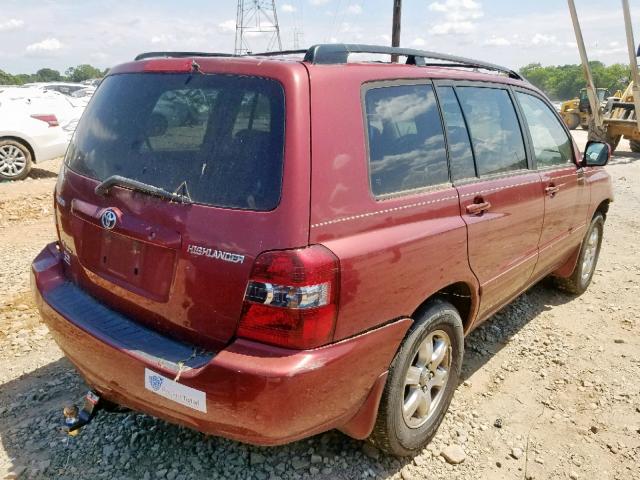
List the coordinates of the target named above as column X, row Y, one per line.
column 478, row 208
column 551, row 190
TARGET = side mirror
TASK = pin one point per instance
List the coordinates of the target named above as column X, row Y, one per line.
column 597, row 154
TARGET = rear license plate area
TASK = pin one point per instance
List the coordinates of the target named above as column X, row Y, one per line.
column 142, row 267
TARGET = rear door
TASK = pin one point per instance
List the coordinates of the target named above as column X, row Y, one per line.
column 501, row 201
column 566, row 193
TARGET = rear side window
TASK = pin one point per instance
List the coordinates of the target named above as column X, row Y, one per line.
column 460, row 152
column 495, row 131
column 218, row 137
column 551, row 143
column 406, row 142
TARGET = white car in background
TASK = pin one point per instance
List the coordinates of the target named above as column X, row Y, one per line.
column 66, row 88
column 30, row 130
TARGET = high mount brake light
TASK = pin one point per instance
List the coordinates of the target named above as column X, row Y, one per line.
column 175, row 65
column 51, row 119
column 292, row 298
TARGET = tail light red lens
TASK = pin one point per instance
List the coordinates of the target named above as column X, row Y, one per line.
column 52, row 120
column 292, row 298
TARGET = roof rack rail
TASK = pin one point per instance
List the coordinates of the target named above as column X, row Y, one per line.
column 276, row 53
column 338, row 53
column 146, row 55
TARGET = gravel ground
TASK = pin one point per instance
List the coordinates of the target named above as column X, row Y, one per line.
column 550, row 384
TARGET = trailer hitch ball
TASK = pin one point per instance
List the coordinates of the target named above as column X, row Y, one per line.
column 75, row 419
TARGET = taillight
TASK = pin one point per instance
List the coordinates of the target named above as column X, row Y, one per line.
column 292, row 298
column 52, row 120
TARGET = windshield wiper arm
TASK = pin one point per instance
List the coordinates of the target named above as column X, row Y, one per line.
column 120, row 181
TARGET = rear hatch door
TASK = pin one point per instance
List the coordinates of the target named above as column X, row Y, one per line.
column 204, row 177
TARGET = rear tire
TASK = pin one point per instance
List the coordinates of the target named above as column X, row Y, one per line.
column 634, row 145
column 15, row 160
column 582, row 274
column 424, row 373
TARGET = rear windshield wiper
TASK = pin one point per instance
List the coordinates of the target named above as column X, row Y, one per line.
column 120, row 181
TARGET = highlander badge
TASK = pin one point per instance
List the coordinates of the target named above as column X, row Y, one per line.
column 215, row 254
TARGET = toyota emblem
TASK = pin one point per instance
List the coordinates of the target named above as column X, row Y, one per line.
column 109, row 219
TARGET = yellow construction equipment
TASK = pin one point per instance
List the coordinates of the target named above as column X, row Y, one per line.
column 618, row 118
column 575, row 112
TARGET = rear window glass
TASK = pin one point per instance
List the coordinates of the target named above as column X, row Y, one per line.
column 406, row 142
column 218, row 137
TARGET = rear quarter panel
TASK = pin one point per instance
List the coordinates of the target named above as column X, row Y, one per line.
column 393, row 253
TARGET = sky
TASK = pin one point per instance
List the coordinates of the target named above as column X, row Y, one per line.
column 63, row 33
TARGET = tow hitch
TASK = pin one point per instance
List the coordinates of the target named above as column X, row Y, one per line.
column 75, row 419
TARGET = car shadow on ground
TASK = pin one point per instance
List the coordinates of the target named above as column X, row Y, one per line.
column 494, row 334
column 40, row 173
column 133, row 444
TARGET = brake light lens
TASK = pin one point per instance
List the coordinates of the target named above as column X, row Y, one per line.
column 169, row 65
column 51, row 119
column 292, row 298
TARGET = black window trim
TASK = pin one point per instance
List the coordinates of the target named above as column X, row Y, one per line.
column 567, row 132
column 466, row 126
column 370, row 85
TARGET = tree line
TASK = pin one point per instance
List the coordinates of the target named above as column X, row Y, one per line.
column 563, row 82
column 71, row 74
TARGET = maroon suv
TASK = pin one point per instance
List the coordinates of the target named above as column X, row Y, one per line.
column 268, row 247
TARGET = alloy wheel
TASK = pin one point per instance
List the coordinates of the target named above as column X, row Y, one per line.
column 426, row 379
column 13, row 161
column 590, row 253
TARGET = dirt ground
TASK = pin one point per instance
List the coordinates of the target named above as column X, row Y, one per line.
column 550, row 386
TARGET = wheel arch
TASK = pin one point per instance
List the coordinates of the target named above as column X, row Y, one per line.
column 462, row 295
column 567, row 268
column 24, row 142
column 603, row 208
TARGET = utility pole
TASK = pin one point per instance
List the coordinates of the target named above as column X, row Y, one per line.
column 395, row 31
column 256, row 17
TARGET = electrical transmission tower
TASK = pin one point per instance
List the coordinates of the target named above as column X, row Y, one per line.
column 256, row 19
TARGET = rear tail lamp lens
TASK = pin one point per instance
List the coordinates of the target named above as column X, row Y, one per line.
column 291, row 299
column 52, row 120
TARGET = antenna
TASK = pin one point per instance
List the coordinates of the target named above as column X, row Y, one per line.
column 257, row 18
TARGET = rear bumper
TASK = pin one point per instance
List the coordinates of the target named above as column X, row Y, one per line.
column 255, row 393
